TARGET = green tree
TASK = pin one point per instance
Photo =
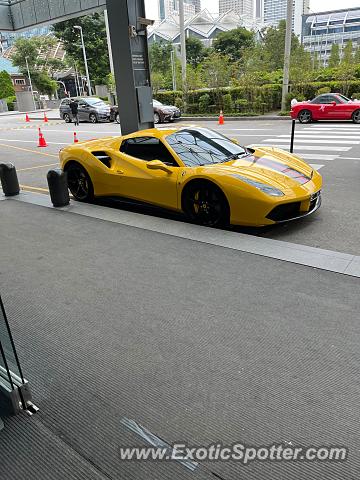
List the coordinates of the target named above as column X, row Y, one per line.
column 195, row 51
column 357, row 55
column 94, row 32
column 334, row 59
column 234, row 43
column 274, row 45
column 160, row 57
column 6, row 86
column 347, row 53
column 37, row 51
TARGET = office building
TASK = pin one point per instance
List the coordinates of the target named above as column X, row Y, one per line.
column 272, row 11
column 241, row 7
column 171, row 7
column 321, row 30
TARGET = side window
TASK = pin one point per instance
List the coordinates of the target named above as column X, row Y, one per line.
column 147, row 149
column 319, row 99
column 66, row 102
column 329, row 99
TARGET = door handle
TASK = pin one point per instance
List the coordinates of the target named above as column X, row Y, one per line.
column 120, row 172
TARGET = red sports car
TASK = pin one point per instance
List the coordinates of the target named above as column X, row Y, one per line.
column 328, row 106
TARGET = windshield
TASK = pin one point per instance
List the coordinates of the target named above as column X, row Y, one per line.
column 344, row 98
column 157, row 103
column 95, row 101
column 202, row 146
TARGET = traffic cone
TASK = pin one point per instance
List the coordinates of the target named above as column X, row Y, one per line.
column 45, row 118
column 27, row 118
column 75, row 138
column 42, row 141
column 221, row 118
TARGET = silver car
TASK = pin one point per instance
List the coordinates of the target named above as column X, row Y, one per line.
column 90, row 109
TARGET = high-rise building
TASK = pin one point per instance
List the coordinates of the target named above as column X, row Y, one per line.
column 171, row 7
column 272, row 11
column 322, row 30
column 241, row 7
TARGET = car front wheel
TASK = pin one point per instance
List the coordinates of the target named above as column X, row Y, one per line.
column 79, row 182
column 117, row 118
column 156, row 118
column 305, row 116
column 205, row 204
column 356, row 116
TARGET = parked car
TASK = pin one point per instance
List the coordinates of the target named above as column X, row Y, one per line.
column 91, row 109
column 162, row 113
column 328, row 106
column 212, row 179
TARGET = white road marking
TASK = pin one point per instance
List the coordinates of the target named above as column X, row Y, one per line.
column 311, row 147
column 305, row 140
column 317, row 156
column 316, row 166
column 321, row 136
column 31, row 141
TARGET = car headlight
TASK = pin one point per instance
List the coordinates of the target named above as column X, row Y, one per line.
column 272, row 191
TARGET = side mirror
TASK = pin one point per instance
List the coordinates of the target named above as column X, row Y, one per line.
column 333, row 104
column 158, row 165
column 235, row 141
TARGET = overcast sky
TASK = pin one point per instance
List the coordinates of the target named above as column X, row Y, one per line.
column 213, row 5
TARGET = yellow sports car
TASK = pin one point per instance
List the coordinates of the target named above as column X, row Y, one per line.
column 209, row 177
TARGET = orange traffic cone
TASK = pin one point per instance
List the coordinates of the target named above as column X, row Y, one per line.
column 27, row 118
column 42, row 141
column 75, row 138
column 221, row 118
column 45, row 118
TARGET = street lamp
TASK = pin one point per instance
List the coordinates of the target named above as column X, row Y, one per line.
column 31, row 87
column 78, row 27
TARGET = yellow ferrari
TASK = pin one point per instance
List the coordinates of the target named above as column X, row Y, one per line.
column 210, row 178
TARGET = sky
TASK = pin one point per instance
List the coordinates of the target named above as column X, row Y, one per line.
column 212, row 6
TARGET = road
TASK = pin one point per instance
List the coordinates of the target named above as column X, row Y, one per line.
column 332, row 148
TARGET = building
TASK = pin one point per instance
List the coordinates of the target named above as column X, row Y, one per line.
column 241, row 7
column 321, row 30
column 272, row 11
column 203, row 26
column 19, row 81
column 7, row 39
column 171, row 7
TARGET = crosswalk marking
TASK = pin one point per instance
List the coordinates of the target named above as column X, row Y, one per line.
column 316, row 166
column 316, row 143
column 313, row 148
column 305, row 140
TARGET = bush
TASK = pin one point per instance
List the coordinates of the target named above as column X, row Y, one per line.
column 179, row 103
column 227, row 103
column 355, row 96
column 10, row 103
column 204, row 103
column 323, row 90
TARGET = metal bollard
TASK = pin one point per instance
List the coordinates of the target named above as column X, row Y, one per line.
column 58, row 186
column 292, row 137
column 9, row 179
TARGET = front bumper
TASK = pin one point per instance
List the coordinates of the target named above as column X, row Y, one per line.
column 293, row 211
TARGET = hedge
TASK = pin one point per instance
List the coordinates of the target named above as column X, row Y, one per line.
column 256, row 99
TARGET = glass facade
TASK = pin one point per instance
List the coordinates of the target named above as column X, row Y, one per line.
column 321, row 30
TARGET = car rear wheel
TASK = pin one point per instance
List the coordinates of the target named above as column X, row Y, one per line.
column 205, row 204
column 93, row 118
column 117, row 118
column 305, row 116
column 79, row 182
column 156, row 118
column 67, row 118
column 356, row 116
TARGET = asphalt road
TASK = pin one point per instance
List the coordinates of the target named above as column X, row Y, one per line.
column 332, row 147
